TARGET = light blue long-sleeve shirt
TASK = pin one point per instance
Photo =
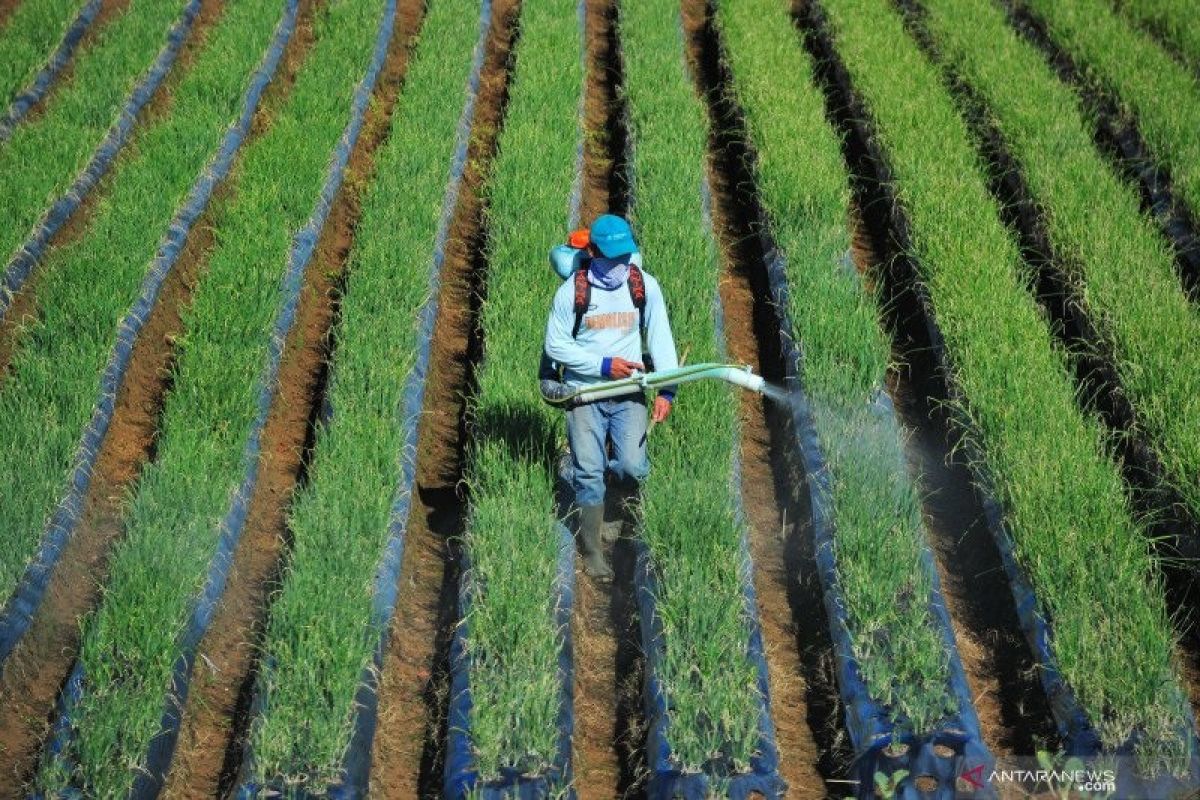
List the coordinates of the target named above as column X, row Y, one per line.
column 610, row 328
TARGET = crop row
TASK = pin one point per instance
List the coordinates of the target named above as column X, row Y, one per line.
column 897, row 666
column 511, row 548
column 691, row 521
column 43, row 156
column 189, row 507
column 35, row 44
column 1120, row 269
column 1063, row 500
column 348, row 523
column 55, row 374
column 805, row 193
column 26, row 41
column 1174, row 20
column 1161, row 95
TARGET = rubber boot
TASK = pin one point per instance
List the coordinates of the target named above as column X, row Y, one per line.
column 620, row 510
column 591, row 518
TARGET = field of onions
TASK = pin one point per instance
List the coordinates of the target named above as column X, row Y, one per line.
column 283, row 511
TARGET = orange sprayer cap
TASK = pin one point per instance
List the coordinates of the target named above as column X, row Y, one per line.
column 579, row 239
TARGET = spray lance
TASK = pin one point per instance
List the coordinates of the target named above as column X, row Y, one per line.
column 561, row 394
column 566, row 260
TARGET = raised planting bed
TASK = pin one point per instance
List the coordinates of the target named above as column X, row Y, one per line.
column 119, row 713
column 1116, row 267
column 511, row 710
column 1173, row 21
column 63, row 154
column 1117, row 133
column 706, row 691
column 907, row 702
column 1150, row 88
column 317, row 690
column 35, row 45
column 1037, row 453
column 57, row 383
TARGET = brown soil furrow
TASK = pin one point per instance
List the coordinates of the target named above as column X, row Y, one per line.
column 216, row 714
column 38, row 667
column 609, row 738
column 7, row 7
column 408, row 750
column 803, row 697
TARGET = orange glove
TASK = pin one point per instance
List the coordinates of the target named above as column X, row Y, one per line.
column 619, row 368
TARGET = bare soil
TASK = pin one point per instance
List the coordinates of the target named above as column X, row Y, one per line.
column 216, row 715
column 408, row 751
column 803, row 697
column 609, row 742
column 7, row 7
column 38, row 667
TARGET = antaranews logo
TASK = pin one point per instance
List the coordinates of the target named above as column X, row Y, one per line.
column 1042, row 775
column 972, row 779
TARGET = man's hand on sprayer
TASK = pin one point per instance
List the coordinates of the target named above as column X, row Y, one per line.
column 619, row 368
column 662, row 407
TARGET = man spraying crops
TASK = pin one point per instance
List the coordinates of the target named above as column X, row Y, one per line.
column 608, row 321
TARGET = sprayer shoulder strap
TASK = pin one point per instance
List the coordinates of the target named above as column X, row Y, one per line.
column 583, row 297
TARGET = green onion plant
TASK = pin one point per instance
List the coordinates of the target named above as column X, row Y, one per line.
column 1045, row 460
column 804, row 189
column 321, row 635
column 131, row 643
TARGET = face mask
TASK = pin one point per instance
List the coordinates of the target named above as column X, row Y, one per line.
column 608, row 273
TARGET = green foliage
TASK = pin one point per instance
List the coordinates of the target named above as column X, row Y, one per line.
column 131, row 643
column 1153, row 88
column 886, row 785
column 27, row 40
column 511, row 541
column 47, row 397
column 44, row 155
column 320, row 637
column 1174, row 20
column 689, row 521
column 804, row 189
column 1064, row 501
column 1123, row 270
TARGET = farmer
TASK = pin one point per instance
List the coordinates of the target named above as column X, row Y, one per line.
column 607, row 313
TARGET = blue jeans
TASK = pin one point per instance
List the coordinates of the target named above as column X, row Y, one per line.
column 623, row 420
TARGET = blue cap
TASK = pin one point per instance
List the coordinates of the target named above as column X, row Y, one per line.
column 612, row 236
